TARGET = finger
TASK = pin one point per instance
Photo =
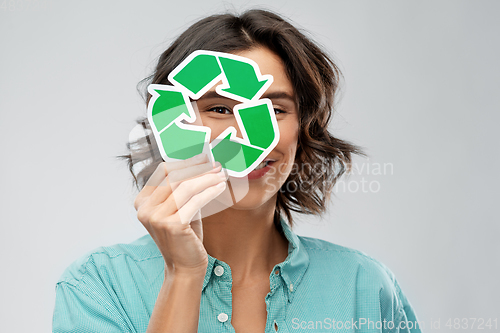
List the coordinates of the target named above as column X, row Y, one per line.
column 165, row 189
column 179, row 175
column 189, row 188
column 166, row 167
column 159, row 175
column 188, row 211
column 195, row 160
column 156, row 178
column 186, row 190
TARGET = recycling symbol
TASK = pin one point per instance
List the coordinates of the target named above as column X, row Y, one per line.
column 171, row 113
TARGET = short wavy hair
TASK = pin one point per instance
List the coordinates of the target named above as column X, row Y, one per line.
column 315, row 79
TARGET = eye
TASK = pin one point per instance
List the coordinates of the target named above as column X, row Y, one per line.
column 278, row 111
column 220, row 110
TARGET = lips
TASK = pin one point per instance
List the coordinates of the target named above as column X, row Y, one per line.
column 261, row 169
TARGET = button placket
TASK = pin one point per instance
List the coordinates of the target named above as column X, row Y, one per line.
column 222, row 284
column 276, row 303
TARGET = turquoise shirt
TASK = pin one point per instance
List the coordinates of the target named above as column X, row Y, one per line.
column 320, row 287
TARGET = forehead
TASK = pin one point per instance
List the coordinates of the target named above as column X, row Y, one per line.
column 269, row 63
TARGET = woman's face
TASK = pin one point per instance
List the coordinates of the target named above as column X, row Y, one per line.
column 216, row 112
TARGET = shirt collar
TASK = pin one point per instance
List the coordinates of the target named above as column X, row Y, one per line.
column 291, row 270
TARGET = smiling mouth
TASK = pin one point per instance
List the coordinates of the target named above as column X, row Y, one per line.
column 264, row 163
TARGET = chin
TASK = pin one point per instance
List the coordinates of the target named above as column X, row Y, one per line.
column 254, row 201
column 258, row 193
column 248, row 193
column 243, row 194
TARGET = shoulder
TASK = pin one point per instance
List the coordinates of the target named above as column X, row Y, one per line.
column 340, row 270
column 344, row 260
column 109, row 289
column 110, row 260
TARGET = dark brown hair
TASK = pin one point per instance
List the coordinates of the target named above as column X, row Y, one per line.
column 315, row 78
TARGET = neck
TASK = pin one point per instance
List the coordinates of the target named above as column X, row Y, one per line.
column 247, row 240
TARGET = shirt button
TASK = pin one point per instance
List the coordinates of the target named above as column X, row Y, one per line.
column 219, row 270
column 291, row 287
column 222, row 317
column 277, row 271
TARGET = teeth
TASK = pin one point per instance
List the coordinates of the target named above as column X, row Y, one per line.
column 262, row 164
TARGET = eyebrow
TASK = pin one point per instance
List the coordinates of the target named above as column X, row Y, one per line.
column 272, row 95
column 279, row 95
column 211, row 94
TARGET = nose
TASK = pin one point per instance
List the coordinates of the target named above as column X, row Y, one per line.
column 237, row 127
column 222, row 125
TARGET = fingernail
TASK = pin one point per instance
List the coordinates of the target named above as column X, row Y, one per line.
column 221, row 185
column 216, row 165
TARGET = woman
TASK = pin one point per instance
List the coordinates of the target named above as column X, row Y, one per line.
column 240, row 268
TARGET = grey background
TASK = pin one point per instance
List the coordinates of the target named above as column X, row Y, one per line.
column 420, row 95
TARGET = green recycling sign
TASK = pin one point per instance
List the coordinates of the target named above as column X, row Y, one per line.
column 171, row 114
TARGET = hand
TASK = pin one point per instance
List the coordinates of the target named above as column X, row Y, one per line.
column 169, row 208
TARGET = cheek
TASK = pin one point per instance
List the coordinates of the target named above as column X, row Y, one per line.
column 217, row 126
column 287, row 146
column 289, row 133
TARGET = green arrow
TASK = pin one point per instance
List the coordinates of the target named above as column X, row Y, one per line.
column 167, row 107
column 234, row 155
column 181, row 143
column 198, row 73
column 241, row 77
column 258, row 125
